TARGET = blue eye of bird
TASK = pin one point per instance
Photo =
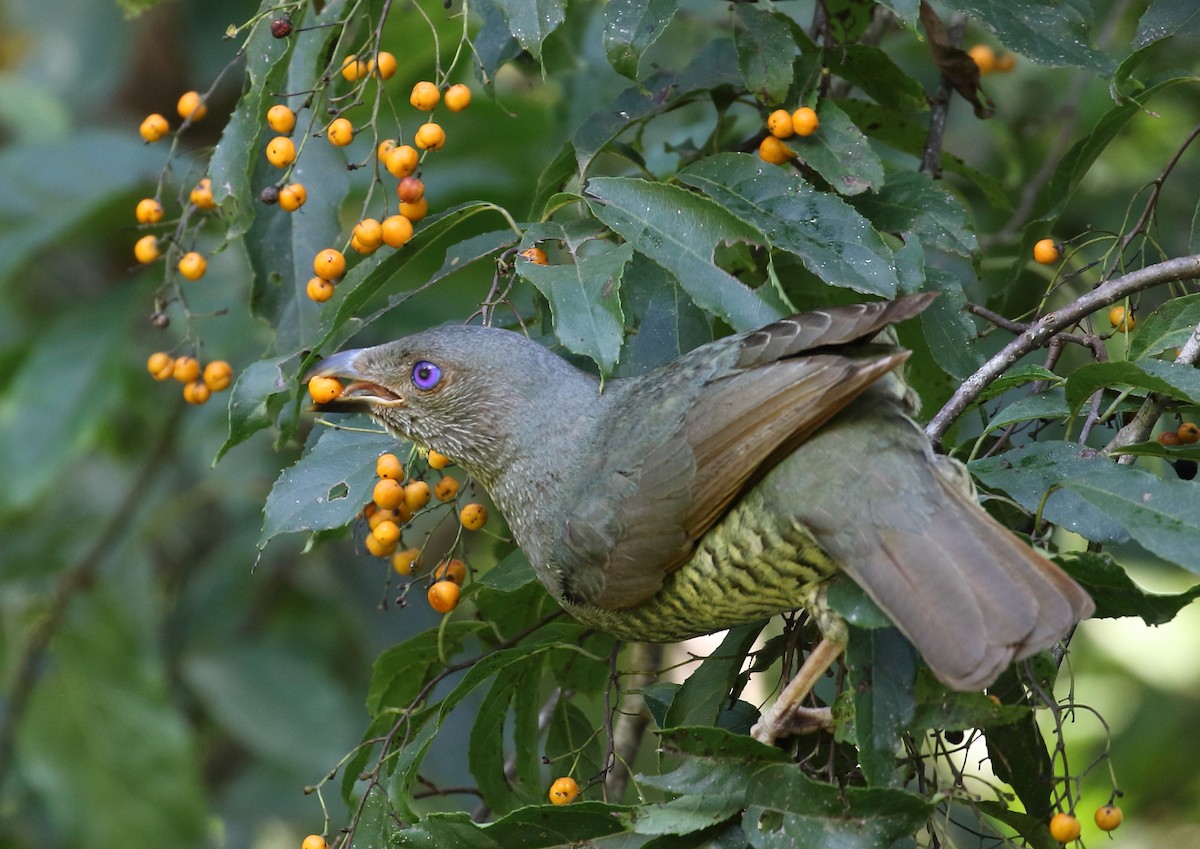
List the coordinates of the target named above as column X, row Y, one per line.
column 425, row 375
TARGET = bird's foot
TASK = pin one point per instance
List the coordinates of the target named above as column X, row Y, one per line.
column 790, row 720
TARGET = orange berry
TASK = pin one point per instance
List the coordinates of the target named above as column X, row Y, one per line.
column 1047, row 251
column 389, row 466
column 385, row 147
column 437, row 460
column 202, row 195
column 196, row 392
column 292, row 197
column 473, row 517
column 772, row 150
column 314, row 841
column 1108, row 817
column 388, row 494
column 189, row 106
column 148, row 211
column 424, row 96
column 444, row 595
column 281, row 119
column 1121, row 319
column 805, row 121
column 1006, row 62
column 354, row 68
column 281, row 151
column 402, row 160
column 406, row 561
column 386, row 533
column 457, row 97
column 564, row 791
column 1188, row 433
column 446, row 489
column 416, row 495
column 397, row 230
column 451, row 570
column 319, row 289
column 410, row 189
column 984, row 58
column 1064, row 828
column 218, row 375
column 383, row 65
column 340, row 132
column 161, row 365
column 430, row 136
column 1169, row 438
column 370, row 232
column 192, row 265
column 415, row 211
column 186, row 370
column 154, row 127
column 145, row 249
column 375, row 514
column 329, row 264
column 324, row 389
column 379, row 548
column 357, row 245
column 779, row 123
column 536, row 255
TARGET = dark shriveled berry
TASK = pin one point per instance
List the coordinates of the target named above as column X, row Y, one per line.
column 269, row 195
column 281, row 27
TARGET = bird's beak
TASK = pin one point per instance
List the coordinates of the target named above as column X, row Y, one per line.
column 359, row 392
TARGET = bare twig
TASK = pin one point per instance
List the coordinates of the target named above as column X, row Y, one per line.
column 632, row 717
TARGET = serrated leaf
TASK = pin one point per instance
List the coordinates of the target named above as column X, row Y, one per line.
column 1166, row 18
column 875, row 72
column 493, row 43
column 1115, row 593
column 840, row 153
column 511, row 573
column 630, row 27
column 327, row 487
column 1050, row 404
column 881, row 666
column 1174, row 380
column 553, row 180
column 911, row 201
column 1019, row 376
column 258, row 395
column 938, row 707
column 681, row 231
column 532, row 21
column 1053, row 34
column 1167, row 328
column 515, row 689
column 401, row 671
column 687, row 814
column 585, row 301
column 668, row 323
column 706, row 691
column 829, row 236
column 765, row 51
column 1018, row 752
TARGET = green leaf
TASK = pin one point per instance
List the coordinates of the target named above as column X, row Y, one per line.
column 1050, row 405
column 630, row 27
column 1019, row 376
column 701, row 698
column 1051, row 33
column 585, row 301
column 327, row 487
column 511, row 573
column 515, row 688
column 532, row 21
column 493, row 43
column 1168, row 378
column 875, row 72
column 938, row 707
column 668, row 323
column 1017, row 750
column 260, row 392
column 401, row 671
column 881, row 666
column 1167, row 18
column 553, row 179
column 1167, row 328
column 765, row 51
column 911, row 201
column 681, row 231
column 832, row 239
column 1115, row 593
column 840, row 153
column 687, row 814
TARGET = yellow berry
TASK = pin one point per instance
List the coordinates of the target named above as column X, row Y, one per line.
column 772, row 150
column 1121, row 319
column 389, row 466
column 357, row 246
column 430, row 136
column 145, row 249
column 281, row 119
column 1108, row 817
column 984, row 58
column 218, row 375
column 192, row 265
column 416, row 495
column 805, row 121
column 340, row 132
column 473, row 517
column 1064, row 828
column 314, row 841
column 202, row 195
column 319, row 289
column 415, row 211
column 564, row 791
column 1046, row 251
column 457, row 97
column 451, row 570
column 446, row 489
column 437, row 460
column 383, row 65
column 161, row 365
column 385, row 147
column 148, row 211
column 196, row 392
column 386, row 533
column 535, row 255
column 186, row 370
column 370, row 232
column 397, row 230
column 1006, row 62
column 1188, row 433
column 329, row 264
column 779, row 123
column 406, row 561
column 324, row 389
column 378, row 548
column 388, row 494
column 189, row 106
column 292, row 197
column 353, row 68
column 424, row 96
column 444, row 595
column 281, row 151
column 154, row 127
column 402, row 160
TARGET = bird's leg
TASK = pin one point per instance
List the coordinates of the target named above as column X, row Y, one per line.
column 788, row 716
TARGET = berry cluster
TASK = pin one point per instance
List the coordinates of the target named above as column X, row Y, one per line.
column 1188, row 433
column 198, row 384
column 781, row 125
column 1065, row 828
